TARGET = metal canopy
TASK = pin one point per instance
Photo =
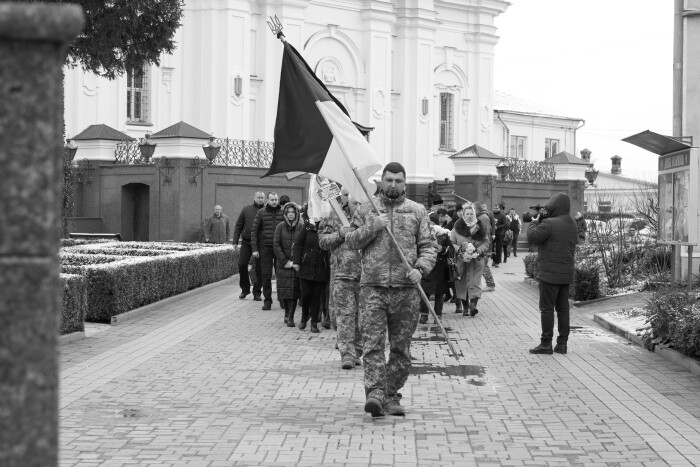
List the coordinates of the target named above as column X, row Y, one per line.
column 656, row 143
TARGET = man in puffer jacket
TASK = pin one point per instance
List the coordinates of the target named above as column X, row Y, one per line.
column 555, row 234
column 262, row 235
column 389, row 297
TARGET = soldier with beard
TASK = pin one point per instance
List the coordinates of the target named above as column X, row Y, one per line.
column 344, row 283
column 389, row 299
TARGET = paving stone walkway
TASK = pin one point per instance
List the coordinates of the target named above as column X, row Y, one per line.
column 211, row 380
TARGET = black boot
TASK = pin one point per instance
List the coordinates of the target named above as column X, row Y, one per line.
column 458, row 306
column 292, row 310
column 560, row 347
column 304, row 319
column 545, row 348
column 472, row 306
column 285, row 303
column 465, row 307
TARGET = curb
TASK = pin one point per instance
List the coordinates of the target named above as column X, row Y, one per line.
column 689, row 364
column 600, row 299
column 72, row 337
column 137, row 312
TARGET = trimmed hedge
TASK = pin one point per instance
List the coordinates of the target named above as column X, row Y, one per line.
column 674, row 315
column 120, row 286
column 586, row 285
column 530, row 265
column 74, row 303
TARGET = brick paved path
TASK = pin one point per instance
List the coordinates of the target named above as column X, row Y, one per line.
column 211, row 380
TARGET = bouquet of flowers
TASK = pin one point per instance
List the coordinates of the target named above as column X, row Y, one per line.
column 467, row 252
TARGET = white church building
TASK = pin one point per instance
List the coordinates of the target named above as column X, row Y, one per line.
column 420, row 73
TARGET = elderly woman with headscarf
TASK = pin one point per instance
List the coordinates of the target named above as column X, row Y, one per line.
column 471, row 239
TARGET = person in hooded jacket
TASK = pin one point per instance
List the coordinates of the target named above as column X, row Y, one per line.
column 554, row 233
column 470, row 229
column 313, row 266
column 286, row 234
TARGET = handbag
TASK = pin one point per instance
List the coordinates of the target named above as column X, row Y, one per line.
column 452, row 271
column 251, row 270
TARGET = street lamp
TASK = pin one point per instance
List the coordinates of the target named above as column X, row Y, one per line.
column 591, row 175
column 211, row 150
column 147, row 147
column 503, row 169
column 70, row 149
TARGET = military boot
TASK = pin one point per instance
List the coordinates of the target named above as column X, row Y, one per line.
column 561, row 346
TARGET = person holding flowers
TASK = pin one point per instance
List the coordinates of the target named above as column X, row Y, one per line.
column 471, row 238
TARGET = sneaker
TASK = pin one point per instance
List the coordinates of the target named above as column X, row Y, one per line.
column 243, row 295
column 348, row 363
column 327, row 324
column 542, row 349
column 267, row 305
column 560, row 347
column 257, row 298
column 374, row 406
column 314, row 328
column 358, row 361
column 393, row 405
column 423, row 319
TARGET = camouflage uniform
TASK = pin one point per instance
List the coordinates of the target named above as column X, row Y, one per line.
column 345, row 287
column 389, row 301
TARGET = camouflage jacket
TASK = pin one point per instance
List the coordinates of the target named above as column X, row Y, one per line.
column 381, row 263
column 345, row 263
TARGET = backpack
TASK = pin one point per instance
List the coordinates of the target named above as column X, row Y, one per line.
column 508, row 236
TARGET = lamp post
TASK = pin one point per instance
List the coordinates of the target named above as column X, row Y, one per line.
column 503, row 168
column 70, row 149
column 211, row 150
column 591, row 175
column 147, row 147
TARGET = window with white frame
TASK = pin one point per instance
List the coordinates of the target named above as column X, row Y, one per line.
column 446, row 121
column 517, row 146
column 551, row 147
column 136, row 96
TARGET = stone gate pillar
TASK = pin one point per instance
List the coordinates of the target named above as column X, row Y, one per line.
column 33, row 40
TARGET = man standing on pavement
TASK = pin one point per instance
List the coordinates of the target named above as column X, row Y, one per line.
column 217, row 228
column 554, row 232
column 244, row 225
column 389, row 297
column 262, row 235
column 344, row 283
column 500, row 232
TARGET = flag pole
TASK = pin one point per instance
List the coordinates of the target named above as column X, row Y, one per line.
column 407, row 264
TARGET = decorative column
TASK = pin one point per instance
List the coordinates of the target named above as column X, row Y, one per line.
column 33, row 45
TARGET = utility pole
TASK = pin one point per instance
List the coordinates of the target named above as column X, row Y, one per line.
column 677, row 107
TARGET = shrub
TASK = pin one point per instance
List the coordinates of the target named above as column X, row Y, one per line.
column 586, row 285
column 83, row 259
column 674, row 316
column 530, row 265
column 97, row 250
column 120, row 286
column 74, row 303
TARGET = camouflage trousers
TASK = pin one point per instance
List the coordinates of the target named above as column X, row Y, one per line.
column 392, row 311
column 488, row 275
column 345, row 294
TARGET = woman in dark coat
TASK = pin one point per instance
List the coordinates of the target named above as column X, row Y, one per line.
column 313, row 266
column 438, row 281
column 286, row 234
